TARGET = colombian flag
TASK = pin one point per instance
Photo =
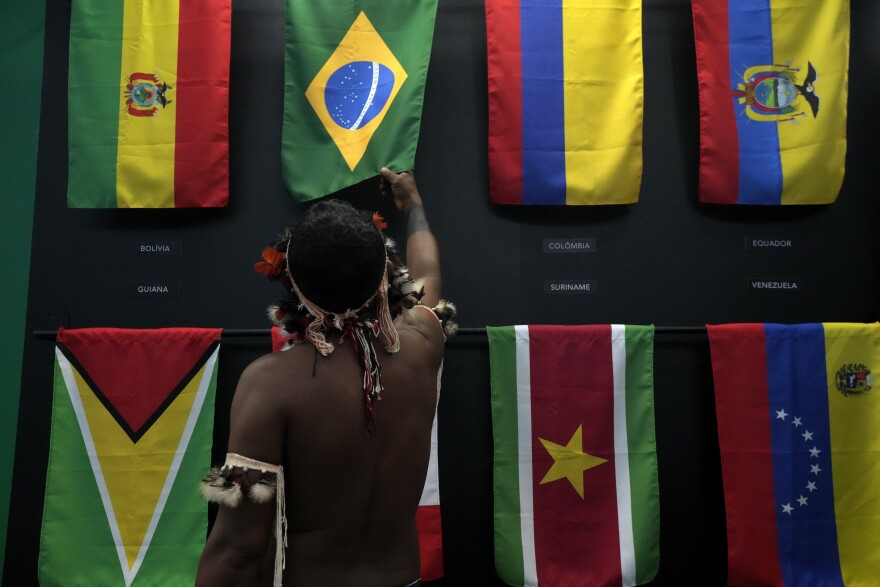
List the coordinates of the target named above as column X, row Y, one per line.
column 798, row 422
column 575, row 464
column 354, row 85
column 772, row 80
column 565, row 101
column 132, row 430
column 148, row 94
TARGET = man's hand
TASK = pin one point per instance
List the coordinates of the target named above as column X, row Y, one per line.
column 401, row 187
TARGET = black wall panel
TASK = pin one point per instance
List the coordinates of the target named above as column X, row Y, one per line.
column 667, row 260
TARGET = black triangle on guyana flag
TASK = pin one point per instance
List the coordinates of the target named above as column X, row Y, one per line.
column 137, row 374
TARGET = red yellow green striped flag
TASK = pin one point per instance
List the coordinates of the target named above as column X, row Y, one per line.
column 575, row 467
column 148, row 90
column 132, row 430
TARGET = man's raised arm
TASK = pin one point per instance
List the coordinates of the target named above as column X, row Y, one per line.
column 422, row 252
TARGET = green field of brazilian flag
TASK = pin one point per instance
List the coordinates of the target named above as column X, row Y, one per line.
column 353, row 90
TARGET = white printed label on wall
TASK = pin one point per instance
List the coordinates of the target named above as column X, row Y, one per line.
column 569, row 245
column 153, row 288
column 155, row 247
column 774, row 285
column 553, row 287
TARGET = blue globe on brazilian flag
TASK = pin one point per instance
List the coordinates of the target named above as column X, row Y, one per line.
column 354, row 87
column 351, row 98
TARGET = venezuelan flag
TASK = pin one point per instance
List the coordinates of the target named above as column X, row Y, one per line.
column 148, row 91
column 798, row 421
column 772, row 80
column 565, row 101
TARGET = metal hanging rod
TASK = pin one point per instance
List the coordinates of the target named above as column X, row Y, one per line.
column 257, row 332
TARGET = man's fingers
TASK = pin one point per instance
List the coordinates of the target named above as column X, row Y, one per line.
column 388, row 175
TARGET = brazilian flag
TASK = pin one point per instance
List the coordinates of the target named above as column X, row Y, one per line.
column 354, row 85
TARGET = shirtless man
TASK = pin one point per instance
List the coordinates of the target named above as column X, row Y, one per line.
column 354, row 465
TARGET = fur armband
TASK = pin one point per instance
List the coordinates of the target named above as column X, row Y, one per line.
column 259, row 482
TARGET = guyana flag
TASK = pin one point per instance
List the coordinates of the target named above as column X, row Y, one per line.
column 354, row 85
column 132, row 428
column 148, row 95
column 575, row 466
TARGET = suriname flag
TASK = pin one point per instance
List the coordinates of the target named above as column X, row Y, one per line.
column 575, row 465
column 132, row 430
column 353, row 90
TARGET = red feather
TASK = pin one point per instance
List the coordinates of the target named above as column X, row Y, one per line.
column 379, row 222
column 271, row 266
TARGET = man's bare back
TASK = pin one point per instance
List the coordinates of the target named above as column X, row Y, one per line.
column 352, row 484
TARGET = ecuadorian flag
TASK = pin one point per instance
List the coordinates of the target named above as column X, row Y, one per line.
column 354, row 85
column 565, row 101
column 148, row 94
column 772, row 80
column 132, row 430
column 799, row 431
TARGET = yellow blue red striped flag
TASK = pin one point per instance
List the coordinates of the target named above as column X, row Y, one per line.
column 773, row 80
column 565, row 101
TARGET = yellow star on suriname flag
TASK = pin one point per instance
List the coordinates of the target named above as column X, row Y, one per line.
column 570, row 461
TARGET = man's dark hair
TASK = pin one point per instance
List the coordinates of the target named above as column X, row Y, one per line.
column 337, row 255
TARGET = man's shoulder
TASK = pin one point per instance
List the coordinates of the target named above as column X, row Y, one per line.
column 423, row 321
column 266, row 375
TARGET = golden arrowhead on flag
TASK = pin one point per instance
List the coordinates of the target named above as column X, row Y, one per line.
column 570, row 461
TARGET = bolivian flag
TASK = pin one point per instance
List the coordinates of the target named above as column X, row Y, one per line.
column 565, row 101
column 798, row 419
column 132, row 428
column 354, row 85
column 772, row 78
column 575, row 467
column 148, row 92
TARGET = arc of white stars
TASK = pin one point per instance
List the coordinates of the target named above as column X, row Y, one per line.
column 797, row 422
